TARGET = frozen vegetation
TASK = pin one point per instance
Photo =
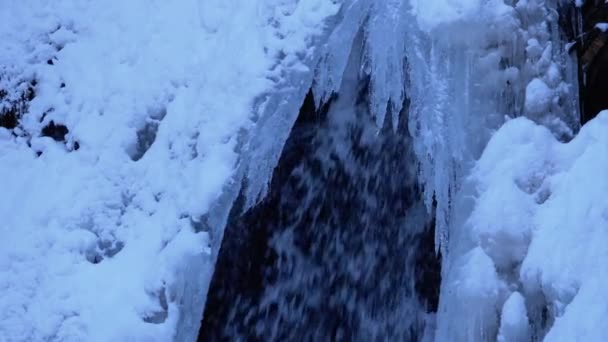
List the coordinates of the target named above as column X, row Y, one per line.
column 129, row 127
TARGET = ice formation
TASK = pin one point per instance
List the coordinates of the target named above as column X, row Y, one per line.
column 547, row 245
column 129, row 127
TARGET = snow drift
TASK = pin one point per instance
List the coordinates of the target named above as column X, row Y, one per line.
column 538, row 228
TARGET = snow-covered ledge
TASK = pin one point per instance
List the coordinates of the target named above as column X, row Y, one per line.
column 110, row 230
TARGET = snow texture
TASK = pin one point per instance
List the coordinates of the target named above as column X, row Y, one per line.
column 538, row 97
column 540, row 215
column 514, row 320
column 492, row 210
column 109, row 232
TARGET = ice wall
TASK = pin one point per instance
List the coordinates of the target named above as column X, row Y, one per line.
column 466, row 67
column 538, row 80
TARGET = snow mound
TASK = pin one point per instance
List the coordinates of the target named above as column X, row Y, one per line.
column 538, row 97
column 477, row 287
column 541, row 216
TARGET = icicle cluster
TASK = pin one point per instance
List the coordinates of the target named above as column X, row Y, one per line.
column 527, row 73
column 548, row 71
column 441, row 77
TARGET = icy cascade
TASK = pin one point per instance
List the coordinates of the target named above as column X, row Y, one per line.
column 463, row 85
column 342, row 246
column 481, row 296
column 464, row 66
column 406, row 50
column 498, row 61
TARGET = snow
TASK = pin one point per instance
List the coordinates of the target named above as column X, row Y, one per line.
column 540, row 215
column 109, row 242
column 514, row 320
column 538, row 97
column 602, row 26
column 432, row 14
column 571, row 227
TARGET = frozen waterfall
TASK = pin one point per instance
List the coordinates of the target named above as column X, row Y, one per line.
column 341, row 248
column 290, row 169
column 451, row 80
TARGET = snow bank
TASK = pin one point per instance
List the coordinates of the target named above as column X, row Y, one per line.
column 109, row 232
column 568, row 253
column 549, row 73
column 540, row 215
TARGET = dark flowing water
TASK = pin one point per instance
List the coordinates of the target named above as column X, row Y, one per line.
column 341, row 248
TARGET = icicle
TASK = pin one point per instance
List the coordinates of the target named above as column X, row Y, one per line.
column 329, row 72
column 385, row 55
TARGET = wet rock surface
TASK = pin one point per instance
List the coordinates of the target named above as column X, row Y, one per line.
column 593, row 59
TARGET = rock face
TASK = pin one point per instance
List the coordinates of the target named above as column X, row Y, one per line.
column 11, row 109
column 593, row 56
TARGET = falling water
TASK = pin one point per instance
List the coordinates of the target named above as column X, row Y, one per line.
column 342, row 246
column 365, row 202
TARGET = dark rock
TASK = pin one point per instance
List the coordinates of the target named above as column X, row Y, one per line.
column 14, row 110
column 592, row 50
column 9, row 119
column 55, row 131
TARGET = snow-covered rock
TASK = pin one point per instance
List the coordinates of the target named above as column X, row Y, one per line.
column 542, row 207
column 514, row 326
column 538, row 97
